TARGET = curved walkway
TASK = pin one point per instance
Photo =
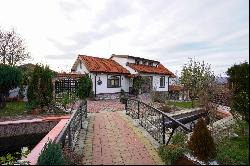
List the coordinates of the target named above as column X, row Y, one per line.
column 112, row 139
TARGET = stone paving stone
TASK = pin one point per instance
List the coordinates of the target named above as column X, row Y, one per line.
column 111, row 140
column 104, row 105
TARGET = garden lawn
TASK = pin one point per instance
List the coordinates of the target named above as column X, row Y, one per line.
column 187, row 104
column 234, row 151
column 13, row 109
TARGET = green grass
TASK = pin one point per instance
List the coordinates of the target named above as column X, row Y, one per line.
column 186, row 104
column 13, row 109
column 234, row 151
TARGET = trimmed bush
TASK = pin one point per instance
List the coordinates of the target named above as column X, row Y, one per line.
column 170, row 153
column 174, row 151
column 201, row 142
column 51, row 155
column 179, row 138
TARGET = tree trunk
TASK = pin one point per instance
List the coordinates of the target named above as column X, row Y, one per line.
column 2, row 100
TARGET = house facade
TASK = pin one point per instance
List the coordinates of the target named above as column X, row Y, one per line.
column 110, row 76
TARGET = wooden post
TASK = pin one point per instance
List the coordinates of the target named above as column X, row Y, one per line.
column 163, row 129
column 69, row 137
column 126, row 106
column 138, row 110
column 81, row 112
column 173, row 129
column 86, row 108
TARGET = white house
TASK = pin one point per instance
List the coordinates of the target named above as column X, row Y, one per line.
column 111, row 75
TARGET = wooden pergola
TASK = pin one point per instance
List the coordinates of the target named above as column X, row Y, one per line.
column 65, row 82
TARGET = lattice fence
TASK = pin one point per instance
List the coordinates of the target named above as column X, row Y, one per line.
column 67, row 85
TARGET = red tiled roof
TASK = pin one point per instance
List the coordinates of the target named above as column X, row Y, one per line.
column 95, row 64
column 175, row 88
column 160, row 69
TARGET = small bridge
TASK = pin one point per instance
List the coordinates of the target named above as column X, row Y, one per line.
column 111, row 138
column 159, row 124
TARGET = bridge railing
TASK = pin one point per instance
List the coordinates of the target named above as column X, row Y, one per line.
column 153, row 120
column 69, row 135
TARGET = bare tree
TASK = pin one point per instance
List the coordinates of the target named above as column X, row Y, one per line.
column 12, row 48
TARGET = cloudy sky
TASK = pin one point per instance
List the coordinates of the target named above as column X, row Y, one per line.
column 170, row 31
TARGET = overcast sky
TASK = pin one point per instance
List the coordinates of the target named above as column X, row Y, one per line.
column 170, row 31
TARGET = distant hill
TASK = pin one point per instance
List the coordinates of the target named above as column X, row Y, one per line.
column 28, row 67
column 221, row 80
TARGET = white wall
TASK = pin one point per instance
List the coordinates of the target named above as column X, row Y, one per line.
column 103, row 77
column 81, row 70
column 125, row 82
column 103, row 88
column 123, row 62
column 156, row 82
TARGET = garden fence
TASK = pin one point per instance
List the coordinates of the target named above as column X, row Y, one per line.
column 69, row 135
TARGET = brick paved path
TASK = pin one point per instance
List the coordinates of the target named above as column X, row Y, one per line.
column 105, row 105
column 111, row 139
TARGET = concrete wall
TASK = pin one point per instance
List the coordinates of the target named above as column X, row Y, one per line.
column 14, row 93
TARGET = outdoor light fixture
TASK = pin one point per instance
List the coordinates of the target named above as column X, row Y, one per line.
column 99, row 82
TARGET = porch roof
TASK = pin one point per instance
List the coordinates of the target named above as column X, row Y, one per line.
column 96, row 64
column 175, row 88
column 69, row 75
column 160, row 69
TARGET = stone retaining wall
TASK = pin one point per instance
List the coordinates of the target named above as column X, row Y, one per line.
column 29, row 126
column 15, row 129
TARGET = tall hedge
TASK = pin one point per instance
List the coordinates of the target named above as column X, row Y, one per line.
column 10, row 77
column 40, row 87
column 239, row 83
column 84, row 87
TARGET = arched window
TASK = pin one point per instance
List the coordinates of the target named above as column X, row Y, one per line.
column 114, row 81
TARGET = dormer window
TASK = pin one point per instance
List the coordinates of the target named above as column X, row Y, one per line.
column 80, row 64
column 150, row 64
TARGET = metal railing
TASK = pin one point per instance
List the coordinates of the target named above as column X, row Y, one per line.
column 153, row 120
column 69, row 135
